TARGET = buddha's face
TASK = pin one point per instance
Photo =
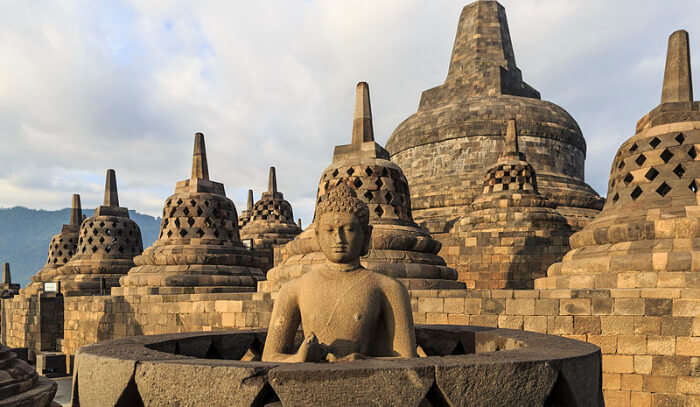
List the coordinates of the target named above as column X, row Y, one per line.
column 342, row 237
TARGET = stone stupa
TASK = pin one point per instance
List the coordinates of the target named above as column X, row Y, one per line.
column 20, row 385
column 245, row 214
column 512, row 234
column 270, row 222
column 7, row 288
column 457, row 132
column 199, row 248
column 399, row 248
column 647, row 234
column 61, row 249
column 107, row 244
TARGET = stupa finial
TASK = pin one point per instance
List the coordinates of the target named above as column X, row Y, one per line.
column 362, row 129
column 111, row 196
column 249, row 207
column 76, row 212
column 512, row 138
column 6, row 277
column 272, row 181
column 200, row 170
column 678, row 81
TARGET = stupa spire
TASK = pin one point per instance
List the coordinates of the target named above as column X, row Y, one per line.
column 6, row 276
column 272, row 181
column 76, row 212
column 362, row 130
column 111, row 197
column 200, row 170
column 249, row 206
column 678, row 82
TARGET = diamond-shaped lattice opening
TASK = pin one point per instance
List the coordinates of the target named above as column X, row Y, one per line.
column 680, row 138
column 693, row 187
column 102, row 239
column 379, row 211
column 350, row 171
column 654, row 142
column 651, row 174
column 216, row 233
column 628, row 178
column 199, row 211
column 633, row 148
column 190, row 221
column 385, row 172
column 357, row 182
column 612, row 183
column 102, row 224
column 177, row 223
column 206, row 203
column 679, row 171
column 183, row 232
column 108, row 232
column 379, row 183
column 616, row 197
column 192, row 202
column 368, row 195
column 186, row 211
column 179, row 201
column 215, row 212
column 640, row 160
column 335, row 173
column 663, row 189
column 94, row 249
column 108, row 248
column 666, row 156
column 637, row 191
column 90, row 240
column 369, row 171
column 692, row 153
column 388, row 197
column 170, row 233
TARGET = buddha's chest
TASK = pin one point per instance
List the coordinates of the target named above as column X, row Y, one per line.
column 338, row 312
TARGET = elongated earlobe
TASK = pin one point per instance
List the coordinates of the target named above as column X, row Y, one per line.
column 368, row 241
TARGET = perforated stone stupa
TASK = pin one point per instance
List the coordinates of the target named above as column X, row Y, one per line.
column 7, row 288
column 61, row 249
column 199, row 248
column 512, row 233
column 270, row 222
column 107, row 243
column 457, row 132
column 399, row 247
column 20, row 385
column 647, row 234
column 245, row 214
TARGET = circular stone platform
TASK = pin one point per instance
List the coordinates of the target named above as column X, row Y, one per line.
column 466, row 366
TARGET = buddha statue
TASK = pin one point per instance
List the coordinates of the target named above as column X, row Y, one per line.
column 347, row 312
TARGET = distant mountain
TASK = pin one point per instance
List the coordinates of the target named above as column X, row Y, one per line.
column 25, row 235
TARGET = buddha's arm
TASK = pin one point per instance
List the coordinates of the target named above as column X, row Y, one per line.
column 283, row 326
column 399, row 320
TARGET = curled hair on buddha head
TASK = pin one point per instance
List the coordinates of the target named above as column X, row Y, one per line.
column 342, row 199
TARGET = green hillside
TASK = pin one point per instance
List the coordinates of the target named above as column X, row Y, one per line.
column 25, row 235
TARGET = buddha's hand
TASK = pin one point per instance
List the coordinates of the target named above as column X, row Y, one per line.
column 347, row 358
column 310, row 350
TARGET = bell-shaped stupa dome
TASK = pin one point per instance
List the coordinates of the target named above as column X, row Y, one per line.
column 458, row 129
column 107, row 244
column 199, row 248
column 399, row 247
column 647, row 234
column 271, row 220
column 512, row 234
column 61, row 249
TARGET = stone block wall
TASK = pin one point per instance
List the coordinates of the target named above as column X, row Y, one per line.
column 650, row 337
column 91, row 320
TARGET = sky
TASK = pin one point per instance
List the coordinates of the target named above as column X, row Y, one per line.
column 90, row 85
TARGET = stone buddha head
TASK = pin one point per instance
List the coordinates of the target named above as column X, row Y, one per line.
column 343, row 231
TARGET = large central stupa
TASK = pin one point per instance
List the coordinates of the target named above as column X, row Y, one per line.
column 460, row 126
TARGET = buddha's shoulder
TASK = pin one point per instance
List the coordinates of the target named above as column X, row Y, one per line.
column 386, row 282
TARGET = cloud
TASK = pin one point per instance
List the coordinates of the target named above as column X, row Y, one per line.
column 124, row 85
